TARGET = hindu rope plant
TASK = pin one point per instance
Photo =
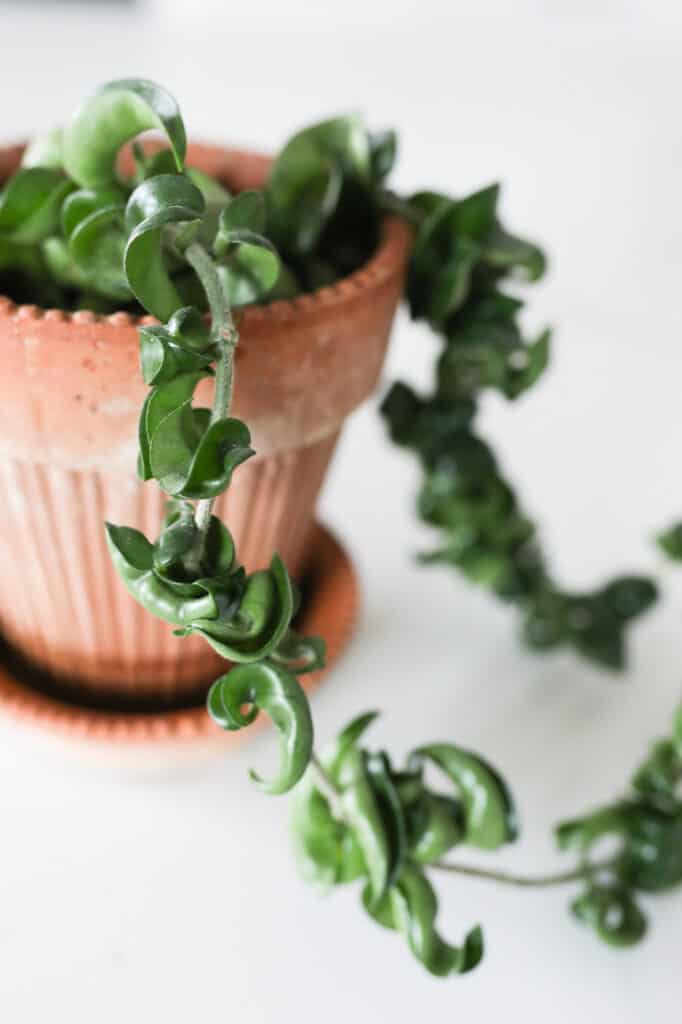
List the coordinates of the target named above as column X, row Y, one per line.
column 174, row 242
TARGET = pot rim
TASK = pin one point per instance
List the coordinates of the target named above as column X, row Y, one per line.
column 390, row 254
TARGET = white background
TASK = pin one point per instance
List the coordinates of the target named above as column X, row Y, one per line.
column 159, row 886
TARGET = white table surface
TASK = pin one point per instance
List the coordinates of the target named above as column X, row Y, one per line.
column 158, row 885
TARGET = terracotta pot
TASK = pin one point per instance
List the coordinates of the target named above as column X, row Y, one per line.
column 70, row 391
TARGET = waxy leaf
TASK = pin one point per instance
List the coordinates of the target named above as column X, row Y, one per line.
column 611, row 911
column 194, row 460
column 154, row 207
column 127, row 549
column 435, row 824
column 162, row 359
column 113, row 116
column 189, row 328
column 300, row 654
column 248, row 265
column 489, row 813
column 30, row 204
column 266, row 687
column 670, row 541
column 411, row 907
column 261, row 621
column 326, row 849
column 303, row 193
column 161, row 402
column 374, row 824
column 93, row 224
column 346, row 743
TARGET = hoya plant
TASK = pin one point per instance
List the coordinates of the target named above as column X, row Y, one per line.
column 166, row 239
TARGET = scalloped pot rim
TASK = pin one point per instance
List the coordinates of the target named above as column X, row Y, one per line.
column 381, row 263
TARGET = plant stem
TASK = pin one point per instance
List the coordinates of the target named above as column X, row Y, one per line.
column 326, row 786
column 525, row 881
column 224, row 335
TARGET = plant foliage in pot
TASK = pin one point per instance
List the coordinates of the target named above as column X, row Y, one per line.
column 160, row 236
column 85, row 257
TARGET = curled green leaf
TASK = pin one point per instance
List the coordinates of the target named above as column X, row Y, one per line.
column 194, row 459
column 376, row 823
column 300, row 654
column 162, row 359
column 326, row 850
column 613, row 914
column 161, row 402
column 266, row 687
column 156, row 206
column 489, row 812
column 92, row 221
column 435, row 824
column 30, row 204
column 118, row 112
column 261, row 621
column 133, row 558
column 411, row 907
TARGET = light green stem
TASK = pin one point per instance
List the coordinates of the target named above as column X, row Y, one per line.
column 585, row 870
column 224, row 335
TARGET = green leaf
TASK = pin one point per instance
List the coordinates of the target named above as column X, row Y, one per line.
column 130, row 556
column 383, row 151
column 374, row 832
column 245, row 211
column 346, row 743
column 265, row 687
column 613, row 914
column 326, row 850
column 177, row 539
column 414, row 907
column 505, row 252
column 261, row 622
column 435, row 824
column 162, row 359
column 629, row 596
column 189, row 328
column 489, row 812
column 652, row 859
column 248, row 265
column 300, row 654
column 203, row 469
column 118, row 112
column 93, row 224
column 581, row 833
column 163, row 401
column 670, row 541
column 307, row 178
column 154, row 207
column 390, row 808
column 133, row 547
column 30, row 204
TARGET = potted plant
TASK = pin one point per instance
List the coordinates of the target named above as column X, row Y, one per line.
column 319, row 226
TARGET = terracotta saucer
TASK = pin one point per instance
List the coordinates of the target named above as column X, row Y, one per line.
column 330, row 609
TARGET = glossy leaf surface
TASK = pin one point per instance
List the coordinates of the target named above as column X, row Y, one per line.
column 266, row 687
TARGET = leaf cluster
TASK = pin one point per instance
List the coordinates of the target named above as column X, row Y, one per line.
column 461, row 264
column 647, row 822
column 385, row 826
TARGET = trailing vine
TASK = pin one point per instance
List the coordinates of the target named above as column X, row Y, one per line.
column 461, row 262
column 178, row 245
